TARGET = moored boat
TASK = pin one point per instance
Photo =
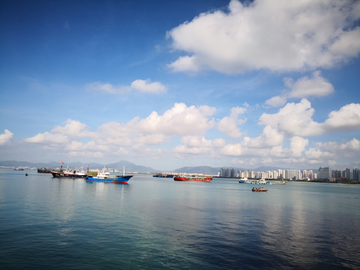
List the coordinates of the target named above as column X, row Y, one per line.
column 258, row 189
column 193, row 178
column 69, row 173
column 279, row 183
column 162, row 175
column 105, row 177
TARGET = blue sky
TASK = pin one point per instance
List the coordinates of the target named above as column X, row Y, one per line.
column 168, row 84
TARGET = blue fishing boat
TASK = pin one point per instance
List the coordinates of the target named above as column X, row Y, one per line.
column 105, row 177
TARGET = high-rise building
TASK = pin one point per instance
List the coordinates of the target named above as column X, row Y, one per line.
column 224, row 172
column 346, row 173
column 336, row 174
column 356, row 174
column 311, row 174
column 292, row 174
column 324, row 174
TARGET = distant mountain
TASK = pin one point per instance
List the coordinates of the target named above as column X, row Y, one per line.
column 131, row 167
column 52, row 164
column 15, row 163
column 198, row 169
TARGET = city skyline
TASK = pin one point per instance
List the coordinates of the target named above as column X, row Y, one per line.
column 174, row 84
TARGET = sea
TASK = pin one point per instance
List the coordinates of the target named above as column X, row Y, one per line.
column 158, row 223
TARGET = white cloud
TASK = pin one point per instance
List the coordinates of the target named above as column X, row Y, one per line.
column 6, row 137
column 107, row 87
column 190, row 125
column 276, row 101
column 229, row 124
column 314, row 34
column 347, row 118
column 306, row 87
column 231, row 150
column 48, row 138
column 148, row 87
column 297, row 145
column 293, row 119
column 143, row 86
column 296, row 119
column 116, row 138
column 72, row 128
column 178, row 121
column 350, row 149
column 303, row 88
column 270, row 137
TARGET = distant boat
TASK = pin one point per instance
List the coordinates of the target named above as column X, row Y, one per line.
column 252, row 181
column 163, row 175
column 193, row 178
column 18, row 169
column 259, row 189
column 279, row 182
column 105, row 177
column 44, row 170
column 69, row 173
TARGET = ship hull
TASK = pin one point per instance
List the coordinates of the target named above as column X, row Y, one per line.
column 118, row 180
column 68, row 175
column 179, row 178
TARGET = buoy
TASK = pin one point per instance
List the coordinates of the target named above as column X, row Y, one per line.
column 26, row 174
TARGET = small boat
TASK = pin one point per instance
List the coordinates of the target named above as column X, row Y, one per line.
column 279, row 183
column 193, row 178
column 105, row 177
column 161, row 175
column 259, row 189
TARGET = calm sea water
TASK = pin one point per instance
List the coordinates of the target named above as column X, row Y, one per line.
column 152, row 223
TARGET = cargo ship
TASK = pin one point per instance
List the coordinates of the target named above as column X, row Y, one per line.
column 193, row 178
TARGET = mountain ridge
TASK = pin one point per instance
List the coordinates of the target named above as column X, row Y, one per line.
column 131, row 167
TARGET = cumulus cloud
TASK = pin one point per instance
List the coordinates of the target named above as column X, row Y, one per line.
column 296, row 119
column 116, row 138
column 314, row 34
column 270, row 137
column 276, row 101
column 347, row 118
column 178, row 121
column 143, row 86
column 196, row 145
column 329, row 152
column 229, row 124
column 231, row 150
column 148, row 87
column 303, row 88
column 297, row 145
column 6, row 137
column 72, row 128
column 306, row 87
column 293, row 119
column 48, row 138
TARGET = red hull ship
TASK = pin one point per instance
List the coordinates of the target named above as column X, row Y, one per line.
column 192, row 178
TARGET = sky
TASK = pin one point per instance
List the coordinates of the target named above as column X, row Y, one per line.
column 168, row 84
